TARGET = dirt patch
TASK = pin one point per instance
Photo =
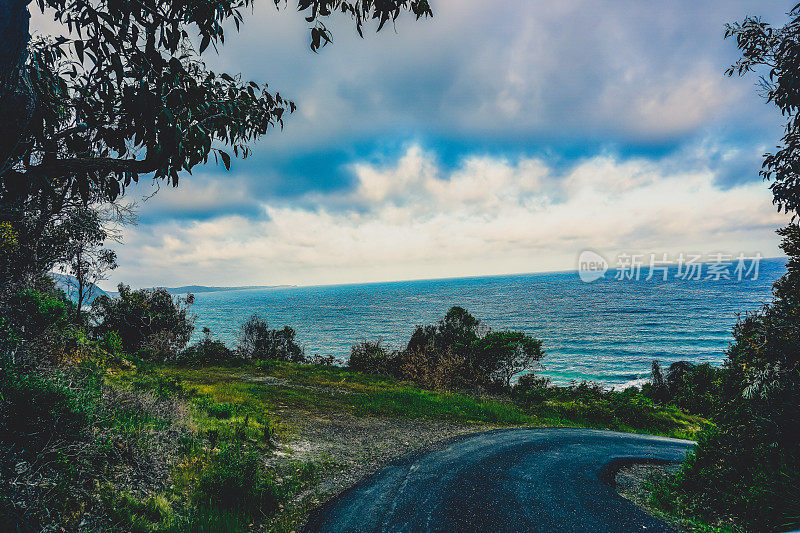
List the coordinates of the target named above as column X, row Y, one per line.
column 359, row 446
column 633, row 483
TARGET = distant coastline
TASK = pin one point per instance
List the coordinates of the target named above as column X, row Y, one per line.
column 203, row 288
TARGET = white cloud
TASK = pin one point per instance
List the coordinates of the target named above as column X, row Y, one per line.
column 414, row 218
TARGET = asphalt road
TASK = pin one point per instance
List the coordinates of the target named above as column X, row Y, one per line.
column 539, row 479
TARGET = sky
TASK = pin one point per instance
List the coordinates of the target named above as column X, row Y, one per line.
column 498, row 137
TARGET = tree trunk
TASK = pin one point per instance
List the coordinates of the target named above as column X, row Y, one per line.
column 16, row 102
column 80, row 277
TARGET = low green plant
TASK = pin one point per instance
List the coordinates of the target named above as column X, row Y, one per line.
column 236, row 481
column 221, row 411
column 150, row 514
column 36, row 409
column 163, row 386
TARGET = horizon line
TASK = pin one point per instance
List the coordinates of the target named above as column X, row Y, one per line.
column 405, row 280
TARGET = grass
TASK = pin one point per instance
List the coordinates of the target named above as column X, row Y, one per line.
column 227, row 396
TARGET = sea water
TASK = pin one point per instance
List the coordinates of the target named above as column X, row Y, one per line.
column 607, row 331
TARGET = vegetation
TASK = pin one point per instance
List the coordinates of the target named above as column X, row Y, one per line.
column 207, row 351
column 174, row 444
column 109, row 422
column 457, row 353
column 83, row 115
column 237, row 391
column 257, row 341
column 745, row 470
column 149, row 322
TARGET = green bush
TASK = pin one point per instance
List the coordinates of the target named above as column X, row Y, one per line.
column 112, row 343
column 39, row 325
column 137, row 515
column 456, row 353
column 237, row 481
column 36, row 410
column 43, row 309
column 371, row 358
column 47, row 446
column 531, row 389
column 694, row 388
column 208, row 351
column 221, row 411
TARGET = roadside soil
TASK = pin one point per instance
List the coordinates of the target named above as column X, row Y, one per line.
column 632, row 483
column 360, row 446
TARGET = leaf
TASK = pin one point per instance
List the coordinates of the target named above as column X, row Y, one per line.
column 204, row 44
column 116, row 62
column 226, row 159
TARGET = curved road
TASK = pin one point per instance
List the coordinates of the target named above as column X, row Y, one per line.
column 537, row 479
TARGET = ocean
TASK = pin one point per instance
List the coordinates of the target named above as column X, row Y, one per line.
column 608, row 331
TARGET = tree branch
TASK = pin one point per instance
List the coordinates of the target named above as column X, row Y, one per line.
column 77, row 165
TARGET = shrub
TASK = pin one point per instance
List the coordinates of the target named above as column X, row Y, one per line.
column 694, row 388
column 236, row 480
column 434, row 369
column 530, row 389
column 39, row 325
column 136, row 515
column 460, row 353
column 258, row 341
column 46, row 448
column 207, row 351
column 322, row 360
column 36, row 410
column 371, row 358
column 221, row 411
column 112, row 343
column 150, row 322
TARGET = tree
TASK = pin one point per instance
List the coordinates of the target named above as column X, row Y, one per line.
column 457, row 331
column 258, row 341
column 150, row 322
column 89, row 261
column 778, row 51
column 460, row 352
column 90, row 265
column 659, row 388
column 125, row 93
column 745, row 470
column 693, row 387
column 501, row 355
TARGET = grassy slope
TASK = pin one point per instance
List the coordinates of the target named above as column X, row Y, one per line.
column 258, row 390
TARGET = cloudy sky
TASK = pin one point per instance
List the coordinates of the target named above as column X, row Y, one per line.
column 498, row 137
